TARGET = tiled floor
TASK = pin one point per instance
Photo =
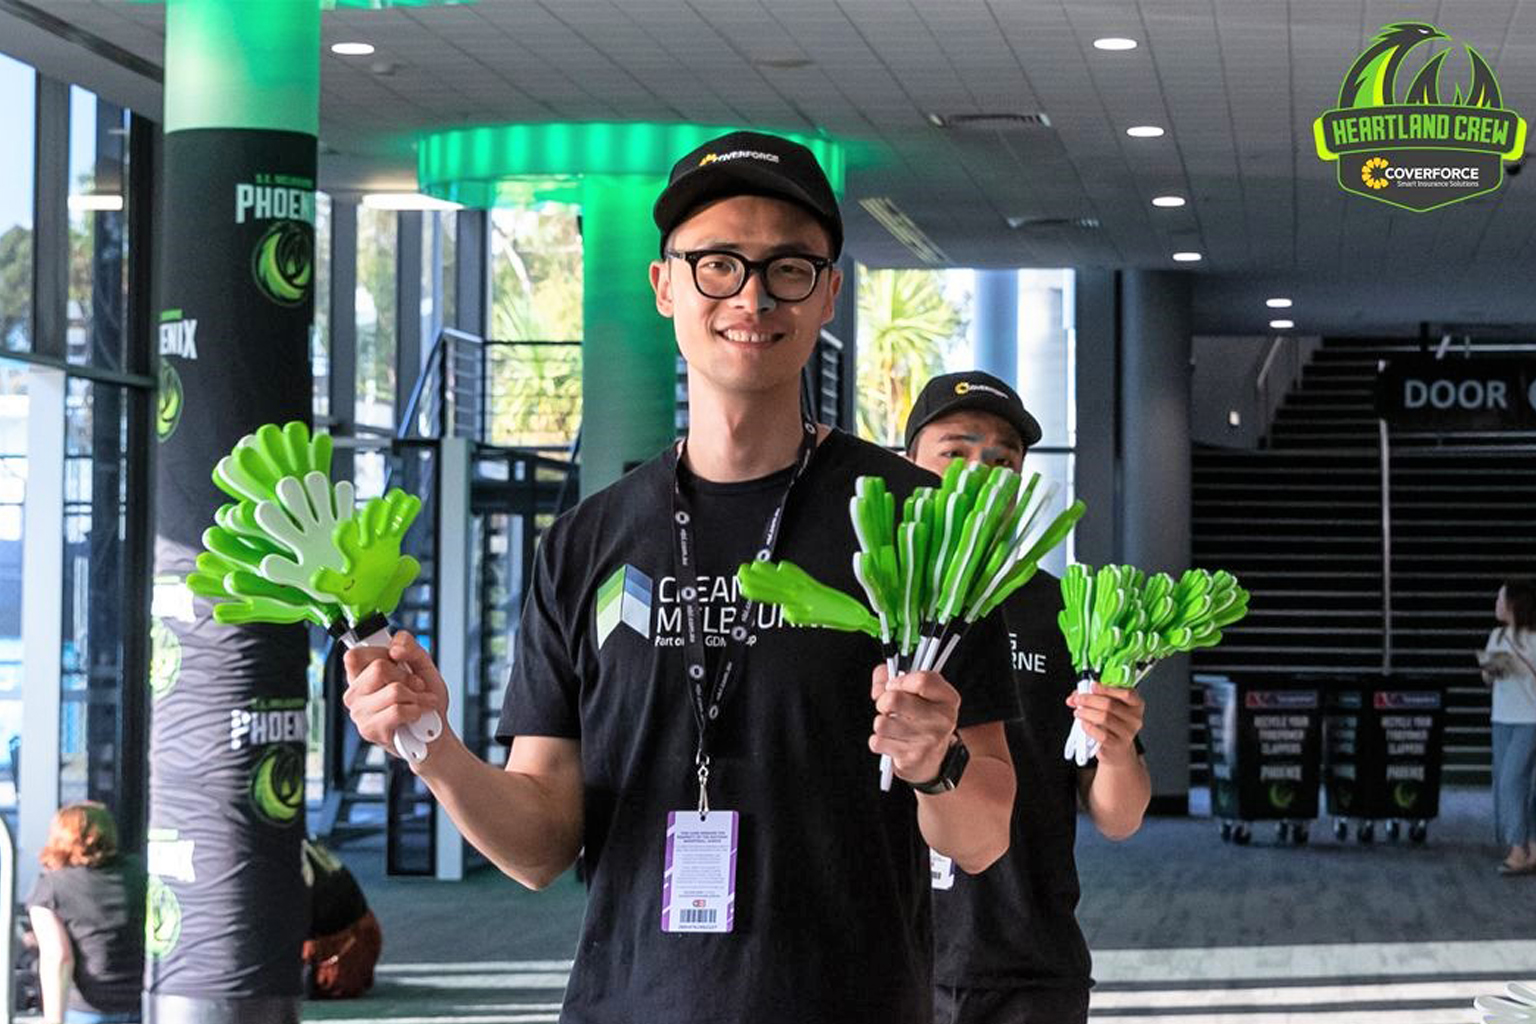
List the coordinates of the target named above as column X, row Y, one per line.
column 1185, row 929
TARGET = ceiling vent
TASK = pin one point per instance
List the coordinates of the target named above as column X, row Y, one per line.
column 902, row 228
column 1029, row 223
column 989, row 122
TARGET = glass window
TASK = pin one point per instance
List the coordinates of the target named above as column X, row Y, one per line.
column 448, row 247
column 1047, row 353
column 98, row 231
column 13, row 492
column 911, row 327
column 18, row 84
column 320, row 329
column 377, row 318
column 536, row 274
column 95, row 592
column 535, row 361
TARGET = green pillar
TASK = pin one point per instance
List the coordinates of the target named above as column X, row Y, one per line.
column 228, row 908
column 629, row 358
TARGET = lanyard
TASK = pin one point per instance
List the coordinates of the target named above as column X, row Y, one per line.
column 707, row 698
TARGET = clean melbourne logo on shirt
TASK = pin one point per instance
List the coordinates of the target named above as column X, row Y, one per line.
column 653, row 609
column 624, row 598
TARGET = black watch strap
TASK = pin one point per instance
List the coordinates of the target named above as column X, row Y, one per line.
column 950, row 769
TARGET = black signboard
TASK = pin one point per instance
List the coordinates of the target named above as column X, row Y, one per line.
column 1383, row 747
column 1264, row 746
column 1472, row 395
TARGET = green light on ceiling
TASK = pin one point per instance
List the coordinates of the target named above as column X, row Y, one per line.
column 237, row 64
column 379, row 5
column 503, row 165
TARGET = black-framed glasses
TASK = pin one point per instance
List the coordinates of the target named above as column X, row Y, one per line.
column 721, row 274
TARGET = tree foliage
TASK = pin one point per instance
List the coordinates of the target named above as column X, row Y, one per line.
column 906, row 324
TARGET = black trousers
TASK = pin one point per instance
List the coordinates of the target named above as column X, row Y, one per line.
column 1009, row 1005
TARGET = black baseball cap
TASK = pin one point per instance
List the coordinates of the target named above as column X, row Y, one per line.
column 971, row 391
column 749, row 164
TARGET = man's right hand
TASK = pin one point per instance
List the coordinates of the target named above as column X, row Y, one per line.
column 390, row 687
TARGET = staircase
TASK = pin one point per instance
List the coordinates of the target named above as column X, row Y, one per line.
column 1300, row 522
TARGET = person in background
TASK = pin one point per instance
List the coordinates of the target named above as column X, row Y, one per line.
column 87, row 911
column 344, row 937
column 1008, row 949
column 1509, row 666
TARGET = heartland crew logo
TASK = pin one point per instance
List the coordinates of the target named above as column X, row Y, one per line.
column 1418, row 153
column 625, row 597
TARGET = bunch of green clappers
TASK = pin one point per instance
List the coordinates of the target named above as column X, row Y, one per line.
column 958, row 551
column 1119, row 623
column 293, row 547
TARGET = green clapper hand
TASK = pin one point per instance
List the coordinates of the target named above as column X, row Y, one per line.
column 805, row 600
column 1118, row 623
column 250, row 473
column 303, row 519
column 226, row 572
column 373, row 573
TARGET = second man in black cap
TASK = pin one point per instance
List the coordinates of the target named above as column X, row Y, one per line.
column 1008, row 948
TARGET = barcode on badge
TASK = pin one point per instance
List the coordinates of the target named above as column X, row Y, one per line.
column 696, row 916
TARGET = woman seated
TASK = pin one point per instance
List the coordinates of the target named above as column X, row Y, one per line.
column 87, row 911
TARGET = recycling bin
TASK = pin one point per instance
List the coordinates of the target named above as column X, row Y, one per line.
column 1263, row 743
column 1382, row 756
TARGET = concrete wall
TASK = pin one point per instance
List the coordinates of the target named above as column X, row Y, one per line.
column 1226, row 370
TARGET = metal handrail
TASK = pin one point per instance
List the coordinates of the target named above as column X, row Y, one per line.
column 1269, row 362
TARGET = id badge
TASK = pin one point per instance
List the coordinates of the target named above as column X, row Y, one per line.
column 698, row 883
column 942, row 871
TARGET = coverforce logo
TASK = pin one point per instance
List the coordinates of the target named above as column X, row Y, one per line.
column 1411, row 149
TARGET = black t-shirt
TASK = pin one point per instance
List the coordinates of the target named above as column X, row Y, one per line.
column 832, row 919
column 1015, row 925
column 102, row 909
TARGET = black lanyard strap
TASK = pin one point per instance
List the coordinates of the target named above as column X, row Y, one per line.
column 708, row 698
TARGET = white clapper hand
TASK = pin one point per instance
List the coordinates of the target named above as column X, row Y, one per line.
column 303, row 520
column 1518, row 1008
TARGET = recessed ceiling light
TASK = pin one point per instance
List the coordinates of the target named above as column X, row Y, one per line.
column 406, row 201
column 1114, row 43
column 352, row 49
column 1278, row 303
column 1187, row 257
column 1144, row 131
column 1168, row 201
column 1282, row 325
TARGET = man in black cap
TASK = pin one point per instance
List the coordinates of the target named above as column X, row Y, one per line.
column 715, row 767
column 1008, row 949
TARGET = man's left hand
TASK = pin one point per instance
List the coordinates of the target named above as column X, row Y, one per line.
column 1113, row 716
column 915, row 718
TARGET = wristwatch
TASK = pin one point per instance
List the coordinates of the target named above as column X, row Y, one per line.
column 950, row 769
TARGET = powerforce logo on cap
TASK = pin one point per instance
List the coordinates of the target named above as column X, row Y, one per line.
column 739, row 154
column 966, row 387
